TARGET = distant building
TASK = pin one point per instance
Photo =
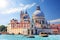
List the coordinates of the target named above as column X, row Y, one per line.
column 55, row 28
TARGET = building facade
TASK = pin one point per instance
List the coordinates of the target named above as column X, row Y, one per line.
column 26, row 25
column 21, row 27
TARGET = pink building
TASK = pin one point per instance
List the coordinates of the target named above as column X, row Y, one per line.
column 19, row 27
column 55, row 28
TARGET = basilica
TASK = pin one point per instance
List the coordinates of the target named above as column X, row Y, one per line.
column 26, row 26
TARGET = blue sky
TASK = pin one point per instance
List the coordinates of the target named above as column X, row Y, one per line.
column 10, row 9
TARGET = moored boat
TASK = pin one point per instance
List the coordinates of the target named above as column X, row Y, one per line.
column 43, row 34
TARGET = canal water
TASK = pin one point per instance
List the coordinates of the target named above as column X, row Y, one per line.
column 22, row 37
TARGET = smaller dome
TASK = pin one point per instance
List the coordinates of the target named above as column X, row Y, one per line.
column 26, row 17
column 38, row 7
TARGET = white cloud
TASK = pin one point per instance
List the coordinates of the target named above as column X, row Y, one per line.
column 21, row 4
column 17, row 9
column 29, row 6
column 54, row 21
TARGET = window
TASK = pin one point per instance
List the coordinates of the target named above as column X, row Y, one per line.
column 42, row 21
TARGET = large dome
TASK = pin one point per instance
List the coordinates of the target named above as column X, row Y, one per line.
column 38, row 12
